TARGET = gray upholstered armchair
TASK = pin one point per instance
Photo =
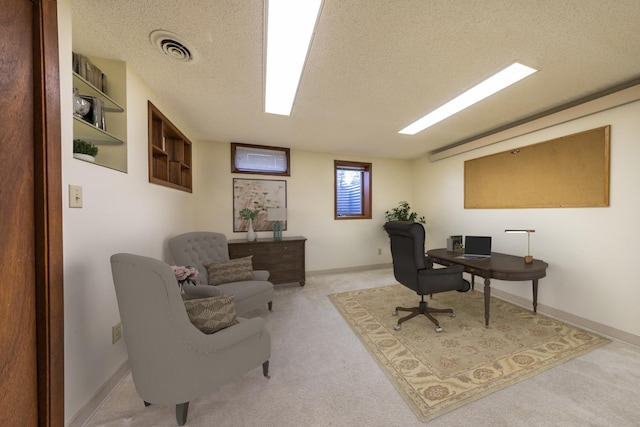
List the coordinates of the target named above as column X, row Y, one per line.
column 414, row 270
column 173, row 362
column 199, row 247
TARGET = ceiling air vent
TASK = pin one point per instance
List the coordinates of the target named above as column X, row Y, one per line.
column 173, row 46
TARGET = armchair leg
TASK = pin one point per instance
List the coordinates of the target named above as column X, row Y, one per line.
column 181, row 413
column 265, row 369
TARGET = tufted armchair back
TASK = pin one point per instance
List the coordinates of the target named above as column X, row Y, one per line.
column 173, row 362
column 197, row 247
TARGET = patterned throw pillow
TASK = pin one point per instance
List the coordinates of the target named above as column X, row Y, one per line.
column 235, row 270
column 213, row 313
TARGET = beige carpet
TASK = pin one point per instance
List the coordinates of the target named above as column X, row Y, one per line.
column 438, row 372
column 322, row 376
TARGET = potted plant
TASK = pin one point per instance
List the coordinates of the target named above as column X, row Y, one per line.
column 403, row 213
column 84, row 150
column 250, row 215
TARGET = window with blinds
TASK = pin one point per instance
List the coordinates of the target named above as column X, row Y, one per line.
column 352, row 190
column 259, row 159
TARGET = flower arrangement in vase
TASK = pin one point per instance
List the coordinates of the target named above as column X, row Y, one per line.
column 184, row 275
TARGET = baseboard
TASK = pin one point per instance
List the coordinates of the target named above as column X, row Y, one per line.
column 348, row 269
column 100, row 397
column 569, row 318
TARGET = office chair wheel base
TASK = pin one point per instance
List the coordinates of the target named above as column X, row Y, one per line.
column 397, row 327
column 438, row 328
column 395, row 313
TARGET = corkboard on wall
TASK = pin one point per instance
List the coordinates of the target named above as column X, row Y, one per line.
column 571, row 171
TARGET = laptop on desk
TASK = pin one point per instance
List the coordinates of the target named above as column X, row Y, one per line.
column 476, row 247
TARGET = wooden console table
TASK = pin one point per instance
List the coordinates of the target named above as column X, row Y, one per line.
column 499, row 266
column 283, row 259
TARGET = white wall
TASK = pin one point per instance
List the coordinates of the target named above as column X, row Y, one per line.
column 331, row 244
column 122, row 212
column 591, row 251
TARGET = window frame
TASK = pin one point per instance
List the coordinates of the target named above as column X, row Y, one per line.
column 366, row 188
column 236, row 169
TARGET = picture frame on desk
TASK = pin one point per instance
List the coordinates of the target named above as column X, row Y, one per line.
column 257, row 195
column 456, row 243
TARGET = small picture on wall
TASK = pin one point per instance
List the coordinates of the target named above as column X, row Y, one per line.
column 257, row 195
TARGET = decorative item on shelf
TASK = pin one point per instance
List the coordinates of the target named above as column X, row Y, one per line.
column 250, row 215
column 184, row 275
column 528, row 259
column 88, row 71
column 403, row 213
column 95, row 115
column 84, row 150
column 277, row 215
column 80, row 105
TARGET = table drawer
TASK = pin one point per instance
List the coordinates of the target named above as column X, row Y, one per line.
column 286, row 276
column 239, row 251
column 283, row 259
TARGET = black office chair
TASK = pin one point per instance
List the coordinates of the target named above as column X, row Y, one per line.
column 415, row 270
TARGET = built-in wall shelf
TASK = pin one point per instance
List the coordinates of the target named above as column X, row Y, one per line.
column 85, row 130
column 105, row 124
column 86, row 88
column 169, row 153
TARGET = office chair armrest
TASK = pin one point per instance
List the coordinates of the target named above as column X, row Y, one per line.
column 428, row 262
column 434, row 280
column 454, row 269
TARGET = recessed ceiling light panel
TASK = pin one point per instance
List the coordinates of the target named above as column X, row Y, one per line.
column 510, row 75
column 290, row 28
column 173, row 46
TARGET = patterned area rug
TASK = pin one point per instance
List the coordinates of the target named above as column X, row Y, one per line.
column 438, row 372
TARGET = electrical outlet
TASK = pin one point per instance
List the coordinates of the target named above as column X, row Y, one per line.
column 116, row 333
column 379, row 251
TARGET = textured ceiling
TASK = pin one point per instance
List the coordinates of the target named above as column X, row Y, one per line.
column 374, row 66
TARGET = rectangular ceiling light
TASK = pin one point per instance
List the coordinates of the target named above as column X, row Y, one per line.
column 510, row 75
column 290, row 28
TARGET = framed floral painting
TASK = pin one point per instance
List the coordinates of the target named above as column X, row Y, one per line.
column 257, row 195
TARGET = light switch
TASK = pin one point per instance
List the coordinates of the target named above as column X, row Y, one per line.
column 75, row 196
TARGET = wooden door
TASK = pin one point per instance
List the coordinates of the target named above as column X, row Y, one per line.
column 31, row 315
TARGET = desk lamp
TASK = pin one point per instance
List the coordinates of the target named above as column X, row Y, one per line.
column 276, row 215
column 527, row 259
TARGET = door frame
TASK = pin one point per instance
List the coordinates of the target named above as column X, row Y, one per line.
column 48, row 216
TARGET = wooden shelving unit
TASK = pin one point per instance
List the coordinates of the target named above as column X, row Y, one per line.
column 170, row 156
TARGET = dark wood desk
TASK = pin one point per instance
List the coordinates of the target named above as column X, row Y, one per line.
column 499, row 266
